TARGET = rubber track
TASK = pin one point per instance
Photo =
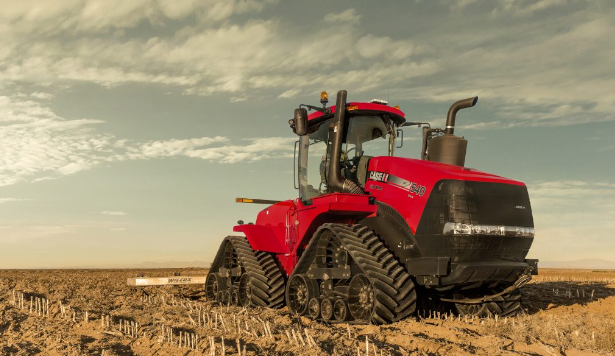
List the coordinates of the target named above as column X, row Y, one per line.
column 395, row 292
column 267, row 279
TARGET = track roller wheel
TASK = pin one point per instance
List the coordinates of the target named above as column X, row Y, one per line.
column 220, row 298
column 314, row 308
column 212, row 286
column 234, row 297
column 340, row 310
column 361, row 298
column 299, row 291
column 326, row 309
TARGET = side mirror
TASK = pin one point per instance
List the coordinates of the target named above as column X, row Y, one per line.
column 299, row 123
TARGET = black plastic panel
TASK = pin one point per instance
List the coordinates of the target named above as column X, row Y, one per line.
column 475, row 203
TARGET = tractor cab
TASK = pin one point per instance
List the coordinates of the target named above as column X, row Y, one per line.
column 369, row 130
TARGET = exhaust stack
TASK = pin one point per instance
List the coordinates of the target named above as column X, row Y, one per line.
column 336, row 182
column 452, row 113
column 448, row 148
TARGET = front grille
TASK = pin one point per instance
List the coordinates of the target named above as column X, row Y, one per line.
column 475, row 203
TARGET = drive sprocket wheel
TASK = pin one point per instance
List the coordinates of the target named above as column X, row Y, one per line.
column 504, row 306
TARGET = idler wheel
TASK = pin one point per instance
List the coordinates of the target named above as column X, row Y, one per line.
column 314, row 308
column 361, row 298
column 340, row 310
column 212, row 286
column 299, row 291
column 244, row 294
column 326, row 309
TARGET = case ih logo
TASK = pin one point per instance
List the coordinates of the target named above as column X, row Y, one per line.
column 378, row 176
column 412, row 187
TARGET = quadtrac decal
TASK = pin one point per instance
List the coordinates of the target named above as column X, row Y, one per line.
column 412, row 187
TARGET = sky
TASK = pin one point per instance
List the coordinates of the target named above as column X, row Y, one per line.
column 127, row 128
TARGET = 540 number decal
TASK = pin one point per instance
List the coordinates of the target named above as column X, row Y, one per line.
column 417, row 189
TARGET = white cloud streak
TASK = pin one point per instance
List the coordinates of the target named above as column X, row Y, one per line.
column 349, row 15
column 9, row 200
column 37, row 145
column 113, row 213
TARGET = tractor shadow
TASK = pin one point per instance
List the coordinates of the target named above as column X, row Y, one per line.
column 546, row 295
column 535, row 297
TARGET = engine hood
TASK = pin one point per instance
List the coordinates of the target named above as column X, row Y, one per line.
column 406, row 184
column 427, row 171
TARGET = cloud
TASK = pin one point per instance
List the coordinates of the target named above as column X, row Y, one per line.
column 42, row 179
column 540, row 74
column 200, row 55
column 349, row 15
column 8, row 200
column 291, row 93
column 41, row 95
column 371, row 46
column 170, row 148
column 100, row 16
column 524, row 7
column 257, row 149
column 34, row 141
column 37, row 145
column 113, row 213
column 238, row 99
column 543, row 75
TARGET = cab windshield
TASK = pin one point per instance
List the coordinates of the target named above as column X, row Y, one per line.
column 366, row 137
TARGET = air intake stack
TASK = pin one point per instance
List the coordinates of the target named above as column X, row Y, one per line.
column 448, row 148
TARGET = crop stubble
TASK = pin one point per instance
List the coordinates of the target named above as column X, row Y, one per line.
column 93, row 312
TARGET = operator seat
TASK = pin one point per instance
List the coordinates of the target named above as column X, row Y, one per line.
column 362, row 168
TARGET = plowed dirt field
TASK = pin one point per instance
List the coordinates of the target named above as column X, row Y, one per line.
column 94, row 312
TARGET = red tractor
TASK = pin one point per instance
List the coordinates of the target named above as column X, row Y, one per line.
column 372, row 235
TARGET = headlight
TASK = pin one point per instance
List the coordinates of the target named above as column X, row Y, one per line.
column 451, row 228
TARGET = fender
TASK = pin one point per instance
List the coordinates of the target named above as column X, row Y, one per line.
column 336, row 207
column 262, row 238
column 394, row 231
column 392, row 228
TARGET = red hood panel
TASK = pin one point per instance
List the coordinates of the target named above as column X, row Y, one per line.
column 406, row 183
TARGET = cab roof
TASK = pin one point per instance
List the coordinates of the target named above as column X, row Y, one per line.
column 356, row 109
